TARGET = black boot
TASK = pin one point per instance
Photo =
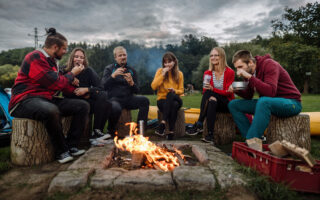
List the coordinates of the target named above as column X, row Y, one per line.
column 208, row 138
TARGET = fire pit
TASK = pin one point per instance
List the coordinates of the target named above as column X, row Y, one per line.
column 136, row 151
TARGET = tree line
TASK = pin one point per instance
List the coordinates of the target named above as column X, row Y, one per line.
column 294, row 43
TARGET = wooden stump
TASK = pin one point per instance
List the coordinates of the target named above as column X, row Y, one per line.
column 30, row 143
column 84, row 138
column 121, row 127
column 224, row 129
column 179, row 128
column 295, row 130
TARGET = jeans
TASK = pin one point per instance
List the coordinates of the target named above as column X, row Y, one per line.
column 51, row 112
column 101, row 108
column 209, row 108
column 131, row 103
column 169, row 108
column 262, row 109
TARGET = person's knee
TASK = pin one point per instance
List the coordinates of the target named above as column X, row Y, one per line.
column 233, row 105
column 263, row 102
column 176, row 105
column 144, row 102
column 51, row 112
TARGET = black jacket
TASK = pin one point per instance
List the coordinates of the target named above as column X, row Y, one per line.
column 90, row 79
column 119, row 87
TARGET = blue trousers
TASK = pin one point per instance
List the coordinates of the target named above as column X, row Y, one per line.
column 262, row 109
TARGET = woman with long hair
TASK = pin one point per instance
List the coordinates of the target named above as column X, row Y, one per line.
column 90, row 89
column 216, row 82
column 168, row 81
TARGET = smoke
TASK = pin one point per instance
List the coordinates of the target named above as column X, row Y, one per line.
column 148, row 59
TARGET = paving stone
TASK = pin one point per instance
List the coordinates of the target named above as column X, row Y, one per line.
column 220, row 158
column 226, row 175
column 70, row 181
column 193, row 178
column 103, row 178
column 92, row 159
column 145, row 179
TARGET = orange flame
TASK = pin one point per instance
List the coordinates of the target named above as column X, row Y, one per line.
column 161, row 157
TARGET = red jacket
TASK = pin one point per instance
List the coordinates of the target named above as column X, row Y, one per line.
column 39, row 77
column 271, row 80
column 227, row 81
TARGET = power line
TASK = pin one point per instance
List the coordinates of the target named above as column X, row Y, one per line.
column 36, row 37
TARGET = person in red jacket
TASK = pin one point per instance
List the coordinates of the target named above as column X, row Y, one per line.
column 34, row 95
column 278, row 94
column 216, row 82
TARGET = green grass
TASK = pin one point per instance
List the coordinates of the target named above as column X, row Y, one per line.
column 4, row 159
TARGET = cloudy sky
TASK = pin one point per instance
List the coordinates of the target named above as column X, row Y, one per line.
column 147, row 22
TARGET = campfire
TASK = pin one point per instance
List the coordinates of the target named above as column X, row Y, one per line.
column 147, row 154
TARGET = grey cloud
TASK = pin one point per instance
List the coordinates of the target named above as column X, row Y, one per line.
column 145, row 21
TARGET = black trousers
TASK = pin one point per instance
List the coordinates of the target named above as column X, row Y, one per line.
column 131, row 103
column 209, row 108
column 169, row 108
column 51, row 112
column 101, row 108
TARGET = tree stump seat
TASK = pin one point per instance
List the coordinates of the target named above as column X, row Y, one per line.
column 30, row 142
column 224, row 129
column 121, row 127
column 294, row 129
column 179, row 128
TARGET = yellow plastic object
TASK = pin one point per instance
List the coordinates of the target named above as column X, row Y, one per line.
column 192, row 115
column 314, row 122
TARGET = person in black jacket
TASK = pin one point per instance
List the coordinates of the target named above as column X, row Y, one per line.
column 121, row 83
column 90, row 89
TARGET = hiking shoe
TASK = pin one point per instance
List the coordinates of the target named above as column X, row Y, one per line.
column 98, row 134
column 74, row 151
column 64, row 157
column 160, row 130
column 194, row 129
column 208, row 138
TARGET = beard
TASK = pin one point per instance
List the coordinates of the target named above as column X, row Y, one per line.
column 56, row 56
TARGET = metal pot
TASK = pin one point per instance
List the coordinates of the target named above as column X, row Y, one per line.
column 239, row 85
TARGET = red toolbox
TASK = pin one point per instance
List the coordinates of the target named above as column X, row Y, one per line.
column 279, row 169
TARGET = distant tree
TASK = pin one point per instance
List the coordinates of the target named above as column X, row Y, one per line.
column 197, row 75
column 303, row 24
column 14, row 56
column 8, row 73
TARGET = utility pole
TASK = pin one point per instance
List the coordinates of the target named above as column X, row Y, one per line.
column 36, row 37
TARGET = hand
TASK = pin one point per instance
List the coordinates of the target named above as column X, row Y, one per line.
column 81, row 91
column 243, row 73
column 128, row 78
column 171, row 90
column 118, row 72
column 207, row 86
column 165, row 70
column 75, row 82
column 230, row 89
column 77, row 69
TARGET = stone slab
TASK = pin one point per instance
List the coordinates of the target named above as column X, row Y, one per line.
column 193, row 178
column 70, row 181
column 104, row 178
column 145, row 179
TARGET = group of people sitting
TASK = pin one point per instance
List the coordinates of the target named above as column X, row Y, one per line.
column 36, row 93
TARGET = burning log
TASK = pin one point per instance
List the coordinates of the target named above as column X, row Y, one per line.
column 137, row 159
column 109, row 158
column 155, row 155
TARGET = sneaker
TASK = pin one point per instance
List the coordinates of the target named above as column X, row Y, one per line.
column 160, row 130
column 170, row 136
column 194, row 129
column 96, row 133
column 64, row 157
column 76, row 152
column 208, row 138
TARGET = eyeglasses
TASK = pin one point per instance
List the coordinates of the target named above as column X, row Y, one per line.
column 214, row 55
